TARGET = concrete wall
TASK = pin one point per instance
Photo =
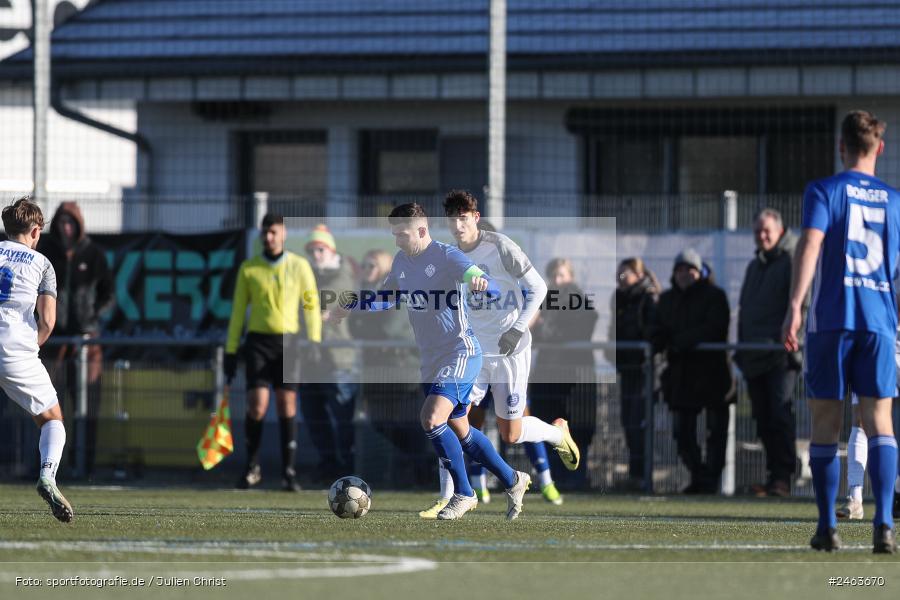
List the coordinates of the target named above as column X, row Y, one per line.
column 83, row 163
column 195, row 158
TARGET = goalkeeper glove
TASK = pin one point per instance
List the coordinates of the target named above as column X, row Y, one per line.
column 509, row 340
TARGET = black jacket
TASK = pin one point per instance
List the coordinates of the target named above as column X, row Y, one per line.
column 765, row 295
column 83, row 278
column 557, row 326
column 693, row 379
column 634, row 309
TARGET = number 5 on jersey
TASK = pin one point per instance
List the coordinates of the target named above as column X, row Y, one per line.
column 857, row 232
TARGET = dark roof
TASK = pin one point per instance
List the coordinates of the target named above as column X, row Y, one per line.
column 160, row 37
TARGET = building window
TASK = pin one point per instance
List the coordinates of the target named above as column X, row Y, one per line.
column 291, row 167
column 397, row 166
column 711, row 164
column 666, row 167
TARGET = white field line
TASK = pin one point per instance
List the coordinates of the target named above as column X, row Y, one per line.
column 324, row 552
column 352, row 565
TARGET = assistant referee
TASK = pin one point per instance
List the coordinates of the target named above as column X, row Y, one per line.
column 274, row 286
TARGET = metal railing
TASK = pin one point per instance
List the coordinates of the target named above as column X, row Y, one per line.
column 154, row 383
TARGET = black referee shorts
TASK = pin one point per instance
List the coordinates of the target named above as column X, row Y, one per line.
column 264, row 357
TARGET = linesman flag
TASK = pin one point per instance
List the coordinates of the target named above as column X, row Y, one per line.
column 217, row 442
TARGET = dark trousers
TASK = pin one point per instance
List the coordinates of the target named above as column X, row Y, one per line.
column 773, row 409
column 633, row 417
column 704, row 473
column 327, row 409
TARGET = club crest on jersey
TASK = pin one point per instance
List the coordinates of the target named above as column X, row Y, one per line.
column 512, row 400
column 429, row 270
column 484, row 268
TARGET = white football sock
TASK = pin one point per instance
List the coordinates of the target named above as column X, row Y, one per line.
column 535, row 430
column 545, row 478
column 446, row 482
column 897, row 484
column 52, row 442
column 857, row 456
column 482, row 481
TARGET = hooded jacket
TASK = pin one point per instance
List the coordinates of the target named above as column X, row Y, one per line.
column 765, row 295
column 685, row 318
column 83, row 278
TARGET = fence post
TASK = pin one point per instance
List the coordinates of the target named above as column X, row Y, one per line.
column 219, row 368
column 260, row 207
column 81, row 408
column 729, row 223
column 649, row 420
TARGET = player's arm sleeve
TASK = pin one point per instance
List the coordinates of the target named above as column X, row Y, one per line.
column 513, row 259
column 534, row 290
column 312, row 314
column 465, row 270
column 47, row 287
column 815, row 207
column 238, row 312
column 384, row 298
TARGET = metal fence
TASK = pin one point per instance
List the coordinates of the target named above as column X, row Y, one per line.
column 647, row 213
column 143, row 418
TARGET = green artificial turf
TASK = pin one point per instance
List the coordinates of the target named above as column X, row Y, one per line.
column 268, row 543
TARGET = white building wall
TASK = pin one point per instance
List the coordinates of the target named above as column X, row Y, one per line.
column 83, row 163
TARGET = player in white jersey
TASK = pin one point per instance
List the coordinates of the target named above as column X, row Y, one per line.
column 502, row 330
column 28, row 287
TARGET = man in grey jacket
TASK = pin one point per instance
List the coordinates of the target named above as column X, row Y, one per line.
column 771, row 375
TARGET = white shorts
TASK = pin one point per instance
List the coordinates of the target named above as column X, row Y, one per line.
column 26, row 382
column 507, row 376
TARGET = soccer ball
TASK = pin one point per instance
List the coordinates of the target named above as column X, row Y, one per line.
column 350, row 497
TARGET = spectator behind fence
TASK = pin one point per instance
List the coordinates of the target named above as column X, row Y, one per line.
column 329, row 390
column 84, row 293
column 389, row 382
column 564, row 380
column 771, row 376
column 276, row 286
column 634, row 307
column 695, row 311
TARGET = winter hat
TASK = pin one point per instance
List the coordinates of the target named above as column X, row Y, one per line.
column 320, row 236
column 689, row 257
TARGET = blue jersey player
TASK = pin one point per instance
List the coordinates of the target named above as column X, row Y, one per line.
column 849, row 252
column 429, row 277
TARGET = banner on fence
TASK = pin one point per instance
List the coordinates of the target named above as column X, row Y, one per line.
column 172, row 286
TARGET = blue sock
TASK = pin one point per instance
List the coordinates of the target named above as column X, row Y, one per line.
column 478, row 447
column 475, row 471
column 537, row 454
column 882, row 467
column 450, row 453
column 826, row 475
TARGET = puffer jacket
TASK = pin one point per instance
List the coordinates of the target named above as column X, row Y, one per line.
column 685, row 318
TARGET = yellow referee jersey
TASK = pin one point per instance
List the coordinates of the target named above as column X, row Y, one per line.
column 274, row 291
